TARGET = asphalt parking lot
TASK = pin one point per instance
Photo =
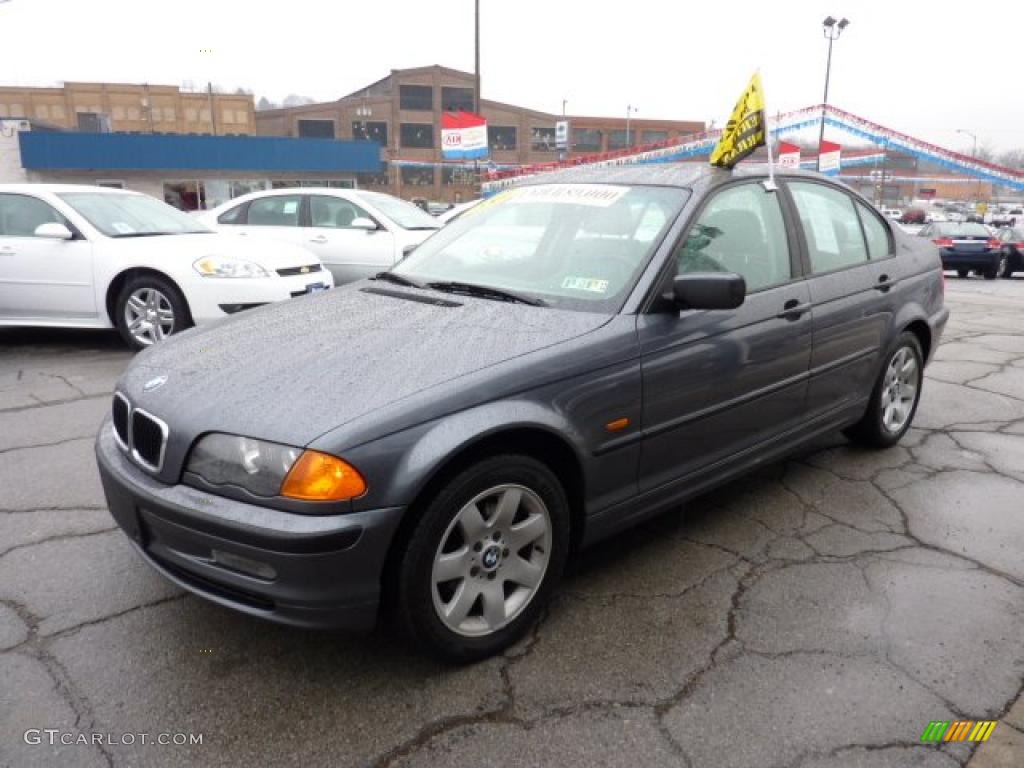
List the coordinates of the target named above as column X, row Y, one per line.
column 818, row 614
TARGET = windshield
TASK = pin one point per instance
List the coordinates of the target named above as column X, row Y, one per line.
column 117, row 215
column 574, row 246
column 404, row 214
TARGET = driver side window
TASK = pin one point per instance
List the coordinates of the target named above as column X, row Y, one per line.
column 741, row 230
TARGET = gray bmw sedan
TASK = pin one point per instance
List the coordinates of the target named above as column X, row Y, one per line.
column 572, row 356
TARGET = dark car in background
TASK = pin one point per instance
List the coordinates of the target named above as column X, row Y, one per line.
column 583, row 352
column 967, row 247
column 1012, row 243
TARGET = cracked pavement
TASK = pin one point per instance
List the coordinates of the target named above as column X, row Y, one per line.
column 816, row 614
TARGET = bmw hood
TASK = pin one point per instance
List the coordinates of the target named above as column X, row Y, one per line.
column 294, row 370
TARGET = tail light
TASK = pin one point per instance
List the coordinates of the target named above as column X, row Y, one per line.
column 944, row 242
column 994, row 243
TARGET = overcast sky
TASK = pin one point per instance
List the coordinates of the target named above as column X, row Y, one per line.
column 912, row 66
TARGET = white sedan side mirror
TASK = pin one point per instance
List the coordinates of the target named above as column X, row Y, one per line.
column 54, row 231
column 361, row 222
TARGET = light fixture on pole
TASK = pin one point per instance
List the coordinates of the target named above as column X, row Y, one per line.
column 832, row 29
column 630, row 110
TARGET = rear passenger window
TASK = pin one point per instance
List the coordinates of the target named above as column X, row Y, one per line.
column 876, row 232
column 232, row 216
column 831, row 226
column 741, row 230
column 275, row 211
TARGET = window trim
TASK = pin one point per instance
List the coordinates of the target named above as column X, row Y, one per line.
column 651, row 303
column 869, row 210
column 806, row 251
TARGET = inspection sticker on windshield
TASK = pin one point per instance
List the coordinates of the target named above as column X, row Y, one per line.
column 596, row 195
column 585, row 284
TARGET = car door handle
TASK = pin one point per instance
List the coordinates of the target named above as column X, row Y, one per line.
column 883, row 284
column 793, row 309
column 318, row 239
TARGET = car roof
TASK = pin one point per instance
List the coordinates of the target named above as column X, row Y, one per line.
column 59, row 188
column 684, row 175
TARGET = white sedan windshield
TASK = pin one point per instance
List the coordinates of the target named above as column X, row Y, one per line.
column 124, row 215
column 577, row 246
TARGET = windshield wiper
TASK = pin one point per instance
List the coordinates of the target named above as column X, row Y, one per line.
column 397, row 279
column 485, row 292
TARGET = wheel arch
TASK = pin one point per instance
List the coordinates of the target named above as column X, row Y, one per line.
column 122, row 277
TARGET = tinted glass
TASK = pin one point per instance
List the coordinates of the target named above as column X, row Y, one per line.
column 21, row 214
column 574, row 246
column 316, row 129
column 876, row 233
column 333, row 212
column 741, row 230
column 419, row 97
column 276, row 211
column 456, row 99
column 232, row 215
column 830, row 225
column 416, row 135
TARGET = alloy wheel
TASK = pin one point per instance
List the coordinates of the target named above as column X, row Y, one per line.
column 149, row 316
column 900, row 389
column 491, row 560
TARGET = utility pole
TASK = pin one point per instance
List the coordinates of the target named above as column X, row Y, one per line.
column 630, row 109
column 476, row 73
column 974, row 154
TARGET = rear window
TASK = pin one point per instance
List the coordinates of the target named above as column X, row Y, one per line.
column 962, row 229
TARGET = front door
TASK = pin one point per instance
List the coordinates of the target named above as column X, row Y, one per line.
column 719, row 383
column 42, row 278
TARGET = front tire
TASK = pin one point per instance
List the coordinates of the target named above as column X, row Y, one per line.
column 148, row 309
column 485, row 555
column 894, row 398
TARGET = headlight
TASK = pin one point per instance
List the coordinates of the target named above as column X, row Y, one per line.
column 217, row 266
column 271, row 469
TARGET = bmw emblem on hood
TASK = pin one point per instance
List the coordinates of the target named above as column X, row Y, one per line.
column 156, row 383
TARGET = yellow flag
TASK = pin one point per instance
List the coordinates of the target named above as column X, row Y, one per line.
column 745, row 130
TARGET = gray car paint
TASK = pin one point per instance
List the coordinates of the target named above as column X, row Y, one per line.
column 399, row 387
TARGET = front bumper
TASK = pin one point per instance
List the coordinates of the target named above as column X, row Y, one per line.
column 207, row 297
column 302, row 570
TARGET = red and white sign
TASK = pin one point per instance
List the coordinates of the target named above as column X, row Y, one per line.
column 828, row 157
column 463, row 136
column 789, row 155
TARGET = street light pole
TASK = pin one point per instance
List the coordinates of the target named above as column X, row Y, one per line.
column 974, row 154
column 630, row 109
column 832, row 30
column 476, row 72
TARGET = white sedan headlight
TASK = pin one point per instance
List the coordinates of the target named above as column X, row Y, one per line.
column 218, row 266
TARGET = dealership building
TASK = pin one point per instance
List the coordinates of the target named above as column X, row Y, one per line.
column 197, row 149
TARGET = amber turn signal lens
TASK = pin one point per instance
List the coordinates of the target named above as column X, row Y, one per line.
column 319, row 476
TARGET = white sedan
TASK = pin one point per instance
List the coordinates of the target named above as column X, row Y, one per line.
column 89, row 257
column 355, row 233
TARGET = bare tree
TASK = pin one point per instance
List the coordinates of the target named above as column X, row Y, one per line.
column 1013, row 158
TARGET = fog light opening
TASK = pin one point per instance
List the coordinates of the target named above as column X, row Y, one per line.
column 244, row 565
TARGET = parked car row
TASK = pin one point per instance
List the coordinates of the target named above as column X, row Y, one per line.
column 969, row 247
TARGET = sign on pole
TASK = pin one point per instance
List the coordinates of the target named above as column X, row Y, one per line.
column 562, row 134
column 828, row 157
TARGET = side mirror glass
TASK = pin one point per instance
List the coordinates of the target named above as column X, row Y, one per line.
column 709, row 290
column 361, row 222
column 54, row 231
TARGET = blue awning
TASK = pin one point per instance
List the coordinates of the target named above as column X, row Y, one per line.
column 145, row 151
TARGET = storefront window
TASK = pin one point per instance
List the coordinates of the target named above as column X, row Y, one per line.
column 617, row 139
column 457, row 176
column 653, row 137
column 501, row 137
column 542, row 139
column 587, row 139
column 316, row 129
column 417, row 176
column 185, row 195
column 373, row 179
column 457, row 99
column 363, row 130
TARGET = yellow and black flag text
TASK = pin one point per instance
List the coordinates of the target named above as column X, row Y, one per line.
column 746, row 129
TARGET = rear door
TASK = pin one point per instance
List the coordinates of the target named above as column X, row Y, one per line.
column 279, row 217
column 349, row 253
column 42, row 278
column 850, row 285
column 718, row 383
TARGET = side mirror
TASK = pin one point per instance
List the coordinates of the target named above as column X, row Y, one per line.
column 54, row 231
column 709, row 290
column 361, row 222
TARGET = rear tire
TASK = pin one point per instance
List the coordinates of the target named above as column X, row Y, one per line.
column 148, row 309
column 962, row 274
column 894, row 398
column 484, row 557
column 1006, row 272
